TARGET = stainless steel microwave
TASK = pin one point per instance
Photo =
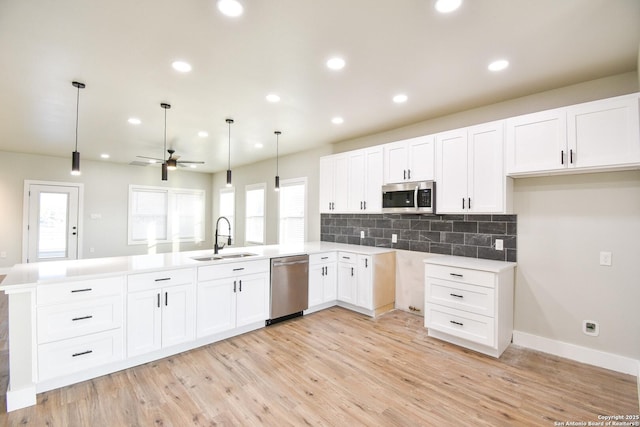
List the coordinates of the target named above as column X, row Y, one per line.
column 409, row 197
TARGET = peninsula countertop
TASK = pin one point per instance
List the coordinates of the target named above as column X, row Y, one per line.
column 24, row 276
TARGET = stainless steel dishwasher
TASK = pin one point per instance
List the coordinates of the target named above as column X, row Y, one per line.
column 289, row 287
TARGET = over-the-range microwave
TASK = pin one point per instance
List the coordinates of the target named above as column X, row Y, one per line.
column 409, row 197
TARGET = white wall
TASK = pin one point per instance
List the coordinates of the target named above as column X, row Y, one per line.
column 106, row 187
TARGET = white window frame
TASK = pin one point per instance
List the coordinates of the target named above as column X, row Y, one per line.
column 292, row 182
column 171, row 215
column 233, row 218
column 263, row 187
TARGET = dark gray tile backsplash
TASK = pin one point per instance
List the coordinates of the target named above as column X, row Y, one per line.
column 471, row 236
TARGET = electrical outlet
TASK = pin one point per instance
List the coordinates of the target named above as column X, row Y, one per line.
column 591, row 327
column 394, row 238
column 362, row 234
column 499, row 245
column 605, row 259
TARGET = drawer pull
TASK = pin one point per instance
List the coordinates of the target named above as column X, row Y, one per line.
column 324, row 257
column 164, row 279
column 346, row 257
column 81, row 290
column 456, row 295
column 456, row 275
column 238, row 269
column 81, row 318
column 82, row 353
column 456, row 323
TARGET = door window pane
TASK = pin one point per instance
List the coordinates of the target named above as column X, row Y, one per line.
column 254, row 221
column 148, row 215
column 292, row 211
column 53, row 225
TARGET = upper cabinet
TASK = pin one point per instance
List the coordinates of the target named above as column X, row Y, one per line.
column 470, row 173
column 599, row 135
column 333, row 183
column 409, row 160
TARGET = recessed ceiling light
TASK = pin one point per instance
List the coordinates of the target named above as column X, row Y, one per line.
column 336, row 63
column 498, row 65
column 183, row 67
column 134, row 121
column 272, row 97
column 231, row 8
column 152, row 161
column 400, row 98
column 446, row 6
column 203, row 134
column 193, row 166
column 337, row 120
column 104, row 156
column 258, row 145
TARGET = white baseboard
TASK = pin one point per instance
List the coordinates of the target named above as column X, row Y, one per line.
column 578, row 353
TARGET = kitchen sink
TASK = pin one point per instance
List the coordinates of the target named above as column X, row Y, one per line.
column 225, row 256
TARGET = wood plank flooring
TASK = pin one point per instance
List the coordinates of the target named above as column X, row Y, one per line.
column 337, row 368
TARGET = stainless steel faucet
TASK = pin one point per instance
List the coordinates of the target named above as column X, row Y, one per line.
column 216, row 248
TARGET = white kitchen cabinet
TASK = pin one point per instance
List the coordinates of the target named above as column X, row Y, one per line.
column 469, row 302
column 598, row 135
column 409, row 160
column 334, row 174
column 79, row 325
column 232, row 296
column 470, row 172
column 366, row 283
column 160, row 310
column 323, row 281
column 364, row 192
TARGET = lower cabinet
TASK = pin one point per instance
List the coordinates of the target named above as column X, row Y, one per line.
column 469, row 302
column 323, row 280
column 367, row 283
column 232, row 296
column 160, row 310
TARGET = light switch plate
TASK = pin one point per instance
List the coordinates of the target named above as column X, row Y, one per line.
column 605, row 259
column 394, row 238
column 499, row 245
column 362, row 234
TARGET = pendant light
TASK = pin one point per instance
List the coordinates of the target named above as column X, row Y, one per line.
column 229, row 121
column 75, row 156
column 165, row 166
column 278, row 133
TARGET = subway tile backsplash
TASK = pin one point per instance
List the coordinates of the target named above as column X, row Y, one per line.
column 471, row 236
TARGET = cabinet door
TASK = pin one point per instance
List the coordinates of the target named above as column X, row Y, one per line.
column 330, row 283
column 451, row 157
column 216, row 307
column 356, row 180
column 395, row 162
column 364, row 277
column 486, row 184
column 341, row 184
column 373, row 180
column 144, row 316
column 347, row 282
column 316, row 284
column 178, row 314
column 327, row 177
column 604, row 133
column 421, row 160
column 252, row 299
column 537, row 142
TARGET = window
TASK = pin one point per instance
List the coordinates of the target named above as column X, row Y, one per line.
column 254, row 212
column 292, row 224
column 227, row 208
column 158, row 214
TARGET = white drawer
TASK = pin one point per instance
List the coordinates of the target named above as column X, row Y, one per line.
column 61, row 321
column 77, row 354
column 323, row 258
column 347, row 257
column 464, row 275
column 80, row 290
column 158, row 279
column 469, row 326
column 220, row 271
column 476, row 299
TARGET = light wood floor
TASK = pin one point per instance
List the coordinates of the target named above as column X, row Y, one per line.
column 337, row 368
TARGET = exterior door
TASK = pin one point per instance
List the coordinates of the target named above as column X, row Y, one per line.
column 52, row 222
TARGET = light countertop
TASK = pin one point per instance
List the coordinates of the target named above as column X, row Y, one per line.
column 23, row 276
column 474, row 263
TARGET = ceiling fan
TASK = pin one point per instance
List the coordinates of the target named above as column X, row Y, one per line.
column 172, row 161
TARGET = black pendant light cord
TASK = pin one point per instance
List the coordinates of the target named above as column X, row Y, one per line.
column 77, row 113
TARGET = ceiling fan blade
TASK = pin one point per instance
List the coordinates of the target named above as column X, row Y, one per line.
column 151, row 158
column 191, row 162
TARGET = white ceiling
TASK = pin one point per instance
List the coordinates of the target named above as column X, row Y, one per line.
column 123, row 50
